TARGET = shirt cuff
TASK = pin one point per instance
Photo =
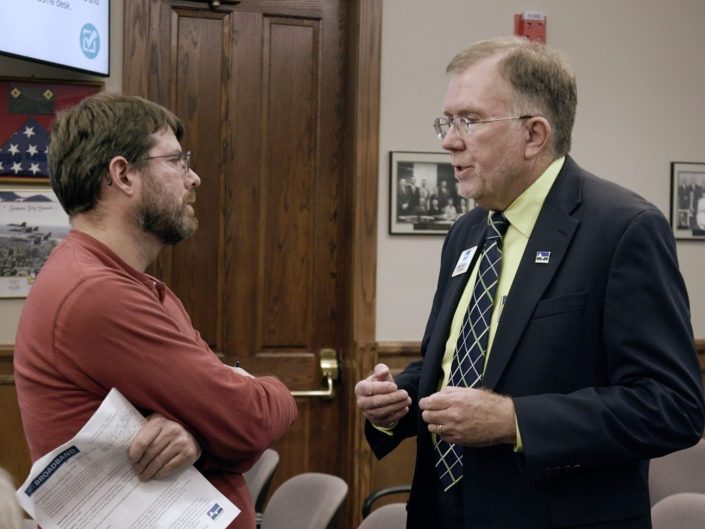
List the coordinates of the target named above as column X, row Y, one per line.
column 387, row 430
column 519, row 446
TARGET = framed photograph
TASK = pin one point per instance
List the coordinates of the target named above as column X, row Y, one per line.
column 27, row 109
column 423, row 194
column 688, row 200
column 32, row 223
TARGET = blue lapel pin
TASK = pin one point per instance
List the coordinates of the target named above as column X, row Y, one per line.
column 542, row 257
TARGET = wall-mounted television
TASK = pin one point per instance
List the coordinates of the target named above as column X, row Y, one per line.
column 70, row 33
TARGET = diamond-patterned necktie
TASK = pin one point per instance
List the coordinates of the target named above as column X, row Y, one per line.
column 468, row 362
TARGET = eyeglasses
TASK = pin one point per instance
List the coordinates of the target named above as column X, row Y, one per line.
column 183, row 157
column 465, row 126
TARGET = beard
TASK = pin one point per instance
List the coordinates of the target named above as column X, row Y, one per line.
column 164, row 217
column 496, row 188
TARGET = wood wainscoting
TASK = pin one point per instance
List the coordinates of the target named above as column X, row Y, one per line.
column 14, row 454
column 395, row 469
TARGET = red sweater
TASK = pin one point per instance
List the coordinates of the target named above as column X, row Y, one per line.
column 91, row 322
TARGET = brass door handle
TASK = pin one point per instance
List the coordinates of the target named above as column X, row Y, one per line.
column 331, row 373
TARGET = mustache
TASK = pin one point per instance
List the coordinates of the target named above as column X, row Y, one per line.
column 190, row 198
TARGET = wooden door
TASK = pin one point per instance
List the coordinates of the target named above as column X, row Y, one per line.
column 282, row 265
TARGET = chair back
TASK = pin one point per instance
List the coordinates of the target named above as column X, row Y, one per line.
column 682, row 471
column 305, row 501
column 370, row 500
column 390, row 516
column 685, row 510
column 259, row 477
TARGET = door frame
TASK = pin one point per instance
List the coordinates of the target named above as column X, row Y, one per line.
column 364, row 53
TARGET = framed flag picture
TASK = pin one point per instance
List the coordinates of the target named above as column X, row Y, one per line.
column 27, row 109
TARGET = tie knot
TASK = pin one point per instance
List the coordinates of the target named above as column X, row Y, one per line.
column 498, row 225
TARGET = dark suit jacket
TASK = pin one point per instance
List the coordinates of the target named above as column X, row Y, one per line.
column 595, row 348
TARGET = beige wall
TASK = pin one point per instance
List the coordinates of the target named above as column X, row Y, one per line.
column 10, row 308
column 641, row 80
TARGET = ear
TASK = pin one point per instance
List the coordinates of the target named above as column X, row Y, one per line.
column 120, row 174
column 538, row 134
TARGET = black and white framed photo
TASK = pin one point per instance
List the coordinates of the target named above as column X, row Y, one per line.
column 688, row 200
column 423, row 194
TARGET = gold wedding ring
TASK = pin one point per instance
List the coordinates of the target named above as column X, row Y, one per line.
column 439, row 430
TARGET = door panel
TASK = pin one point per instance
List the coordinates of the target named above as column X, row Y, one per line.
column 196, row 266
column 287, row 234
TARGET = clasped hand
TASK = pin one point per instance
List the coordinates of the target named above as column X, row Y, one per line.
column 471, row 417
column 161, row 447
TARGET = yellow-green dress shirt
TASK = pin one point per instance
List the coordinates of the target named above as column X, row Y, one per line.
column 522, row 215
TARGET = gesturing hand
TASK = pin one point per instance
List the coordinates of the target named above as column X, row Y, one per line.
column 380, row 400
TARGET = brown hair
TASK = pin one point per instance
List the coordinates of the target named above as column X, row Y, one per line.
column 541, row 78
column 85, row 137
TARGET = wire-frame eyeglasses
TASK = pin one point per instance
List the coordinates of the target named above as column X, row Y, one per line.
column 465, row 126
column 183, row 157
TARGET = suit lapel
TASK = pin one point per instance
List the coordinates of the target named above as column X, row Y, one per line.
column 553, row 232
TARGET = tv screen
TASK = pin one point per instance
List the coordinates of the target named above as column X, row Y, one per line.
column 70, row 33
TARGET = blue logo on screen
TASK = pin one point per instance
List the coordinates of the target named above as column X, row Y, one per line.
column 90, row 41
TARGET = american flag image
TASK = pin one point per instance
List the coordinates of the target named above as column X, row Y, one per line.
column 27, row 110
column 25, row 152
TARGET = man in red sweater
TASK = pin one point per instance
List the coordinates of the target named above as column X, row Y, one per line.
column 95, row 320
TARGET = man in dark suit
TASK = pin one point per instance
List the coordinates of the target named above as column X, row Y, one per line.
column 587, row 363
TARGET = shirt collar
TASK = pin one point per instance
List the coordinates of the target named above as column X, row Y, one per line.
column 523, row 212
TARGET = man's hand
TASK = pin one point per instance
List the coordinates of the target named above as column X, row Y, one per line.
column 380, row 400
column 471, row 417
column 162, row 447
column 241, row 371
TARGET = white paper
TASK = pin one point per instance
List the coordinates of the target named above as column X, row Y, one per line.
column 89, row 482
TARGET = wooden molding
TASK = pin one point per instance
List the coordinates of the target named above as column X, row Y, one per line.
column 402, row 348
column 413, row 349
column 399, row 349
column 364, row 73
column 365, row 30
column 215, row 4
column 6, row 377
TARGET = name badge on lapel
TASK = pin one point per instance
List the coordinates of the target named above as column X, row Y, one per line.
column 464, row 261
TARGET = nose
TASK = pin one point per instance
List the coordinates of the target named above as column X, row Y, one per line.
column 193, row 178
column 453, row 140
